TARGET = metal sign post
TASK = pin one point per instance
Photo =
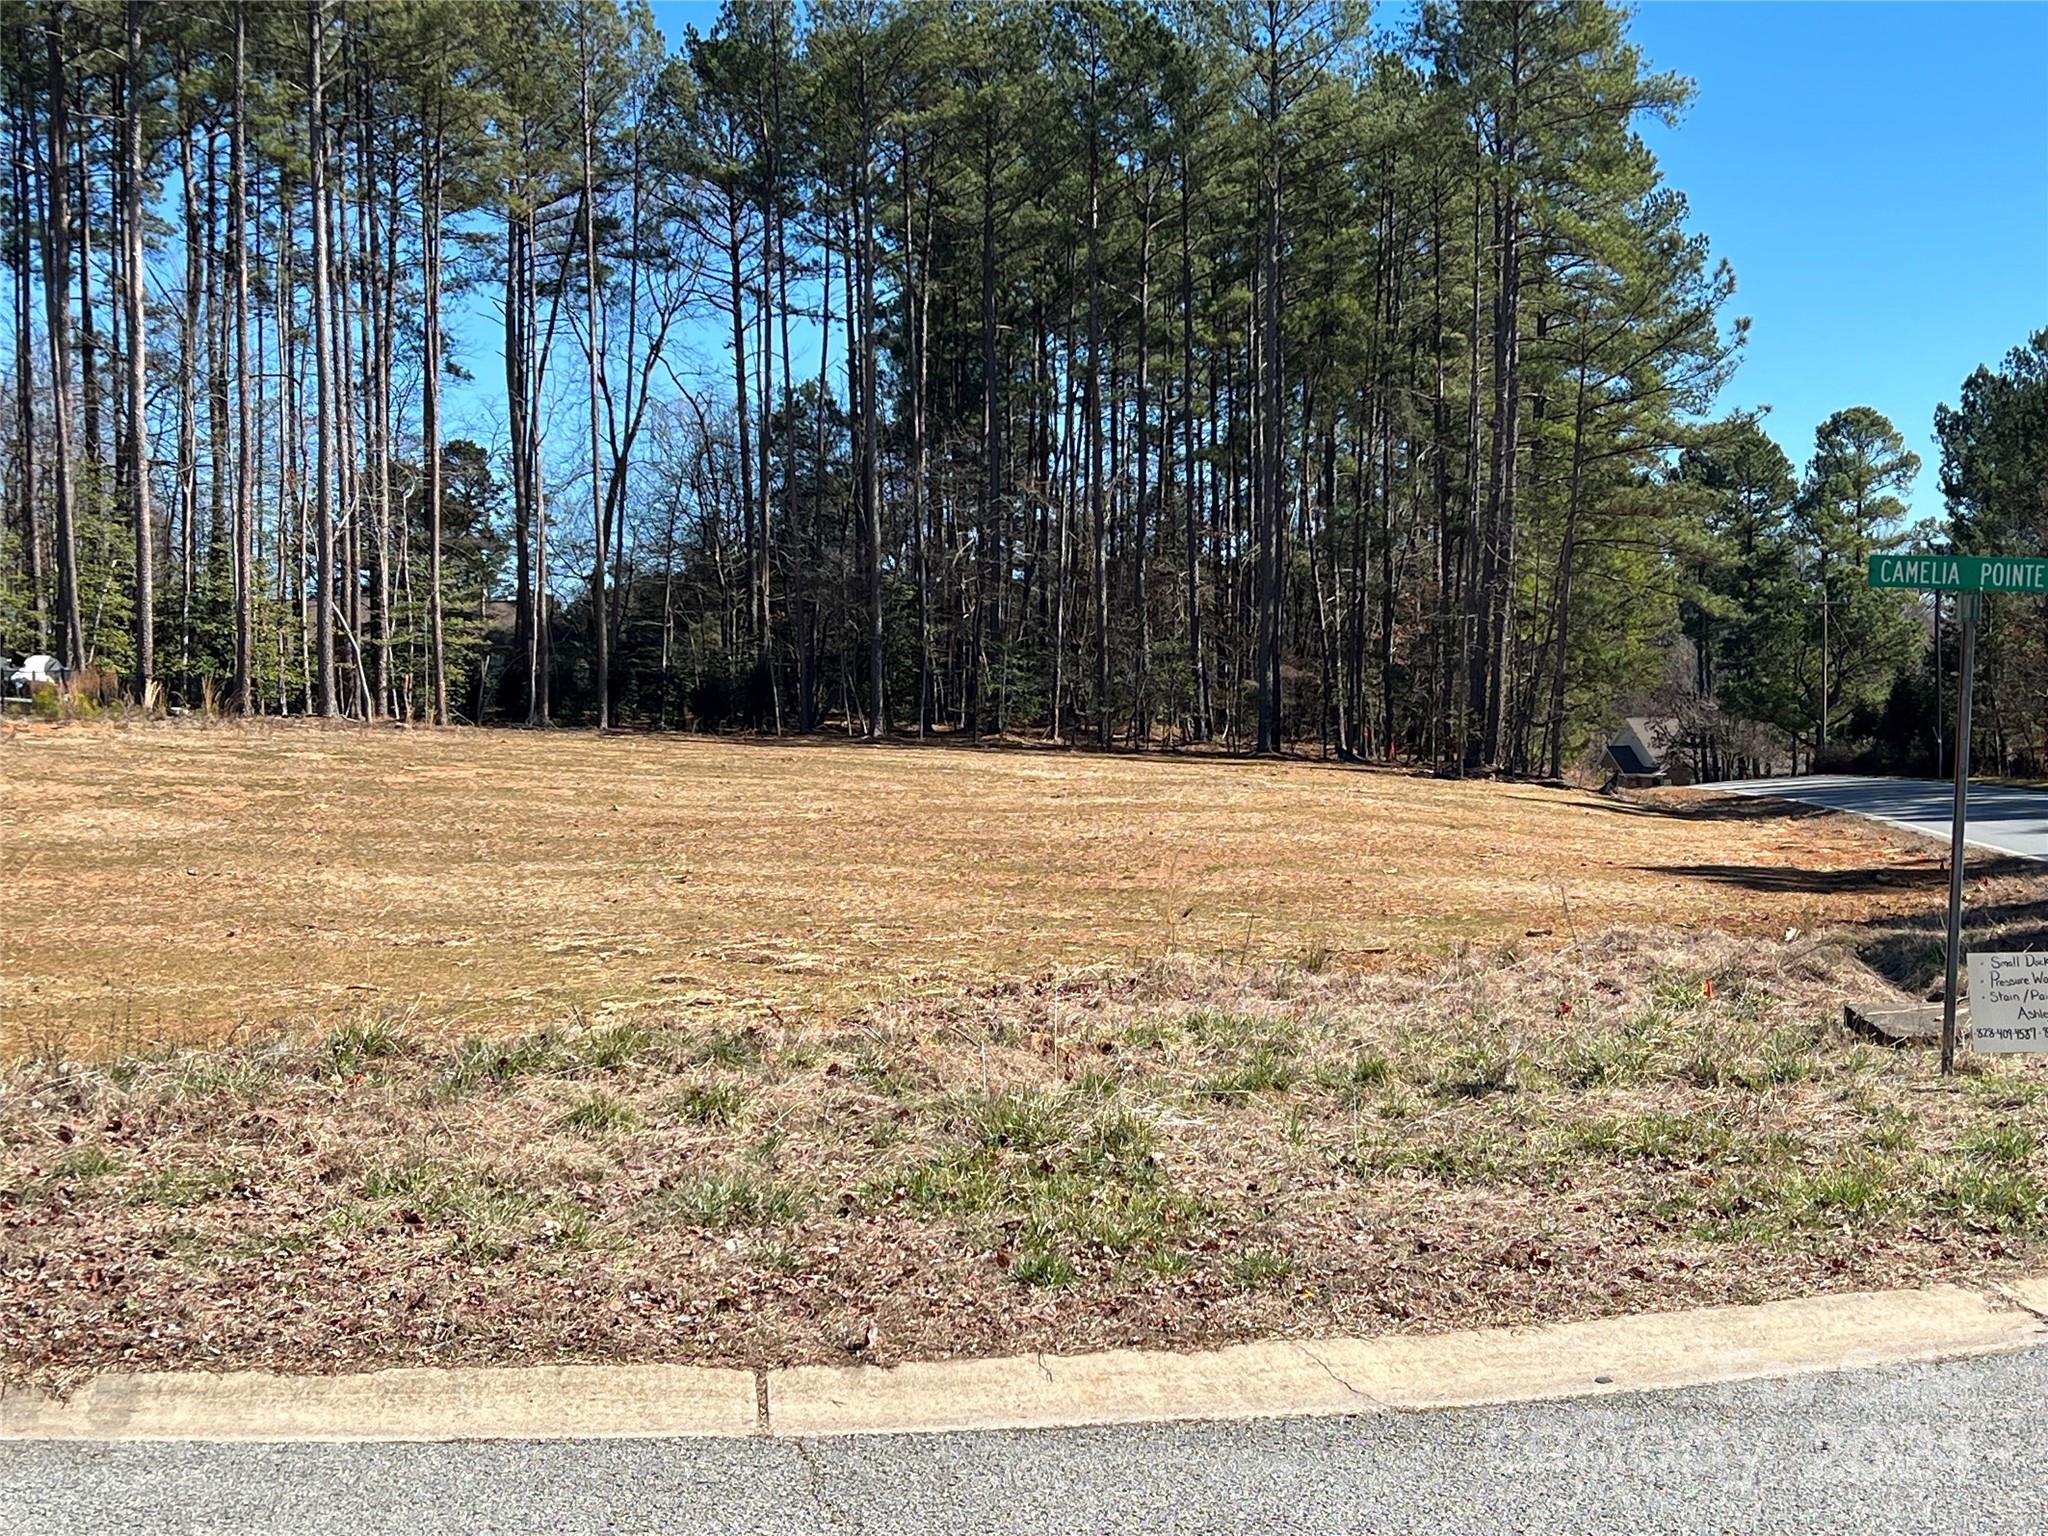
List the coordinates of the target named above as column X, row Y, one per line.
column 1969, row 577
column 1967, row 604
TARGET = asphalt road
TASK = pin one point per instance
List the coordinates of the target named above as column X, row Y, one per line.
column 1933, row 1448
column 2004, row 820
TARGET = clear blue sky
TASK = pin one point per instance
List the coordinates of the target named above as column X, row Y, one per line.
column 1878, row 175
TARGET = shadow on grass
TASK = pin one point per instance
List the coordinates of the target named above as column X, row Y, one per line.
column 1030, row 745
column 1708, row 808
column 1911, row 951
column 2005, row 906
column 1737, row 808
column 1781, row 879
column 1784, row 878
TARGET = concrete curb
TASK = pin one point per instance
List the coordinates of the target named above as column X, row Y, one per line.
column 1263, row 1380
column 1403, row 1372
column 536, row 1402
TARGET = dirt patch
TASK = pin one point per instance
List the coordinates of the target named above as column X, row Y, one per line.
column 1182, row 1153
column 193, row 882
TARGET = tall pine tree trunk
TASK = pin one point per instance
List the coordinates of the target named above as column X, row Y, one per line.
column 1567, row 552
column 1142, row 717
column 1091, row 429
column 1197, row 657
column 27, row 448
column 430, row 423
column 244, row 535
column 133, row 276
column 188, row 403
column 56, row 296
column 515, row 413
column 1271, row 434
column 743, row 419
column 599, row 632
column 991, row 407
column 327, row 701
column 871, row 446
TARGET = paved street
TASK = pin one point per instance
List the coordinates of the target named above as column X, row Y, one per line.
column 2011, row 821
column 1954, row 1447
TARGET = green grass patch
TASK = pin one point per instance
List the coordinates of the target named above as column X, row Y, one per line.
column 601, row 1114
column 1790, row 1054
column 1477, row 1157
column 725, row 1048
column 86, row 1162
column 1119, row 1143
column 222, row 1077
column 1102, row 1194
column 1217, row 1026
column 1475, row 1071
column 484, row 1214
column 1887, row 1129
column 1605, row 1060
column 962, row 1181
column 2001, row 1143
column 2003, row 1198
column 1264, row 1070
column 177, row 1187
column 729, row 1201
column 876, row 1072
column 1852, row 1192
column 612, row 1047
column 1368, row 1070
column 1095, row 1214
column 1042, row 1268
column 1997, row 1089
column 358, row 1046
column 1680, row 993
column 502, row 1061
column 708, row 1103
column 1676, row 1139
column 1260, row 1269
column 1020, row 1121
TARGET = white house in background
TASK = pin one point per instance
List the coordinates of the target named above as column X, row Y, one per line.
column 35, row 671
column 1645, row 751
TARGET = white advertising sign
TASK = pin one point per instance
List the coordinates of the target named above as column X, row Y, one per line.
column 2009, row 1002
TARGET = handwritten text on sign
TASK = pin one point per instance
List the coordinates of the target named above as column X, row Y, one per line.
column 2009, row 1002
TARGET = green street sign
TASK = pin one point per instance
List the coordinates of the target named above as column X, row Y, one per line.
column 1960, row 573
column 1969, row 576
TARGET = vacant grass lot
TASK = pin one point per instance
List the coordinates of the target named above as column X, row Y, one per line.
column 1185, row 1153
column 204, row 882
column 334, row 1048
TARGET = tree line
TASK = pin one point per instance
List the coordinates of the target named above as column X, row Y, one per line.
column 1130, row 374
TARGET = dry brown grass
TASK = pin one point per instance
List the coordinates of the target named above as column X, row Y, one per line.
column 195, row 882
column 1185, row 1153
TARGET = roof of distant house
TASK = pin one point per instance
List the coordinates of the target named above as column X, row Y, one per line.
column 1630, row 760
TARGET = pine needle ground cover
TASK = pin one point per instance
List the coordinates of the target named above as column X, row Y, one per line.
column 200, row 883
